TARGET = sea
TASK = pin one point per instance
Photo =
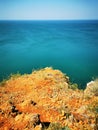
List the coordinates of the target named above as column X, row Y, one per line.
column 68, row 45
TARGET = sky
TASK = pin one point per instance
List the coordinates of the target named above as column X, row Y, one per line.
column 48, row 9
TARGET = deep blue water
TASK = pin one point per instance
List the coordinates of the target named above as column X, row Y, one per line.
column 71, row 46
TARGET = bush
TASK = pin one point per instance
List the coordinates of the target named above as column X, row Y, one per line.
column 3, row 82
column 66, row 128
column 74, row 86
column 57, row 126
column 13, row 76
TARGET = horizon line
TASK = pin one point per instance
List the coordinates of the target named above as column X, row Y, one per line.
column 46, row 19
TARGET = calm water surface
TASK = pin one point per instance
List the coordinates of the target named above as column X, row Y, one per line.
column 71, row 46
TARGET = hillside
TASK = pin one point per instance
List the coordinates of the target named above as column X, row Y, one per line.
column 46, row 100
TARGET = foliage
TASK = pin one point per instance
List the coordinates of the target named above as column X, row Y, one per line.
column 93, row 109
column 57, row 126
column 74, row 86
column 54, row 126
column 66, row 128
column 60, row 107
column 3, row 82
column 96, row 123
column 13, row 76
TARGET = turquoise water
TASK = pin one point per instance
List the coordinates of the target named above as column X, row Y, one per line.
column 71, row 46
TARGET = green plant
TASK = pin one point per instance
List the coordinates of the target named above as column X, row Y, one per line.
column 95, row 91
column 66, row 128
column 54, row 126
column 93, row 107
column 3, row 82
column 13, row 76
column 96, row 122
column 57, row 126
column 74, row 86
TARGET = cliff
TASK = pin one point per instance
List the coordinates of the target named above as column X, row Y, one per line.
column 46, row 100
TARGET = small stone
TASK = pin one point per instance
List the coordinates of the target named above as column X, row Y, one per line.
column 35, row 120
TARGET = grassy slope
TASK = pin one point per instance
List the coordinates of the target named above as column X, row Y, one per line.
column 48, row 93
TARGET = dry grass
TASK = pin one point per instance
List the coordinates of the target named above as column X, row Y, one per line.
column 45, row 92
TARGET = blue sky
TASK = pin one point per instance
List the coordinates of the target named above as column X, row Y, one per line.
column 48, row 9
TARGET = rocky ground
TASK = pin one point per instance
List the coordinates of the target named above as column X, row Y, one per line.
column 46, row 100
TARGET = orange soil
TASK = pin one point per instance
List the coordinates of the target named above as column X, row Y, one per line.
column 45, row 92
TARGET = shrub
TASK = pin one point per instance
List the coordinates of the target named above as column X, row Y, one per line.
column 74, row 86
column 57, row 126
column 13, row 76
column 66, row 128
column 3, row 82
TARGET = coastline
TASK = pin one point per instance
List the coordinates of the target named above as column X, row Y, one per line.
column 48, row 96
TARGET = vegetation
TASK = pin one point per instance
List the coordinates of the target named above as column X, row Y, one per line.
column 13, row 76
column 46, row 100
column 57, row 126
column 3, row 82
column 73, row 86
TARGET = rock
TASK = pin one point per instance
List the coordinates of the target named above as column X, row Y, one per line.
column 35, row 120
column 92, row 88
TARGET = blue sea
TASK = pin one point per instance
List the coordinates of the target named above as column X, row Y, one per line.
column 70, row 46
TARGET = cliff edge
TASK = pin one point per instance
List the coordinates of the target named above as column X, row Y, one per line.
column 46, row 100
